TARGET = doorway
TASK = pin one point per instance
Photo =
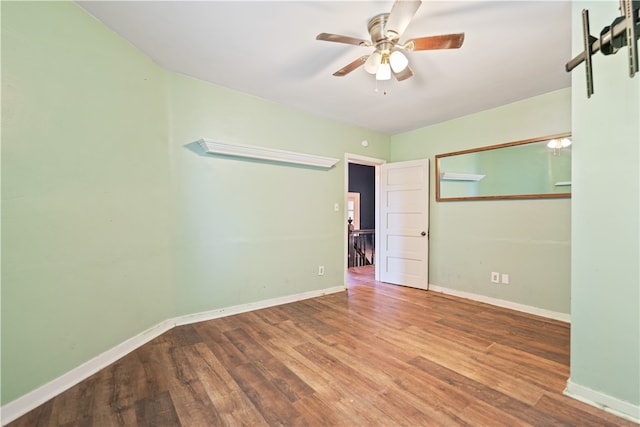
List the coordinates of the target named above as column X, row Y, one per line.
column 361, row 203
column 368, row 207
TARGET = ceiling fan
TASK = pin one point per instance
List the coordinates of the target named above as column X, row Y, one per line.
column 385, row 31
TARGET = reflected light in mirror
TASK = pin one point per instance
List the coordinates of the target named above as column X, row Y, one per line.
column 559, row 143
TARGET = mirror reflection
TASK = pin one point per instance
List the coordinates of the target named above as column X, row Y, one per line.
column 533, row 168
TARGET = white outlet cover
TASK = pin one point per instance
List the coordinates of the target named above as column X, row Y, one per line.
column 505, row 279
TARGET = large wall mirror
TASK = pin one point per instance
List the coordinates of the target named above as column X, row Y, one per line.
column 529, row 169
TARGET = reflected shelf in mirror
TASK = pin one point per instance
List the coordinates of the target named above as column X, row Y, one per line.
column 457, row 176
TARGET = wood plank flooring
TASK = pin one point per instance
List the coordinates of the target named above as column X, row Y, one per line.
column 377, row 355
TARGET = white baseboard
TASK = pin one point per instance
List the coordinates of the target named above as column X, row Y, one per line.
column 243, row 308
column 603, row 401
column 16, row 408
column 503, row 303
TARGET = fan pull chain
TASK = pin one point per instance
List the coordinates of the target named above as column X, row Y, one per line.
column 384, row 90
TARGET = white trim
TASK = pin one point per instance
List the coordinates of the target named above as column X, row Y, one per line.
column 243, row 308
column 613, row 405
column 362, row 160
column 563, row 317
column 264, row 153
column 16, row 408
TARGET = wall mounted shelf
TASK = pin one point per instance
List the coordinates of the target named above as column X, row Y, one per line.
column 263, row 153
column 455, row 176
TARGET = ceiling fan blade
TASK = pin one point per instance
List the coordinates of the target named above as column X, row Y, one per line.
column 342, row 39
column 444, row 41
column 350, row 67
column 401, row 14
column 404, row 74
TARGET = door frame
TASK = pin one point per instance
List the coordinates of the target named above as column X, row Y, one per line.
column 368, row 161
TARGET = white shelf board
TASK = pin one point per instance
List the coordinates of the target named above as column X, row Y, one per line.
column 456, row 176
column 263, row 153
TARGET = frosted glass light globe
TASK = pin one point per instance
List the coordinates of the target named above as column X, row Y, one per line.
column 398, row 61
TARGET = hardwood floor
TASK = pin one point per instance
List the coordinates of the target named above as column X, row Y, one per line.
column 377, row 355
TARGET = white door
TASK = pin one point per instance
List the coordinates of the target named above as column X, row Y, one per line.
column 404, row 223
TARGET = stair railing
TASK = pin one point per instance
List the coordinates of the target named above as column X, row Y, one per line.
column 362, row 247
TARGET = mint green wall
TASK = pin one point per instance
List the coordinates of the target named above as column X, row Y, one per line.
column 248, row 230
column 85, row 206
column 524, row 169
column 605, row 333
column 527, row 239
column 113, row 222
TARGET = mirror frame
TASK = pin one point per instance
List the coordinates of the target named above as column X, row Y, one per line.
column 438, row 157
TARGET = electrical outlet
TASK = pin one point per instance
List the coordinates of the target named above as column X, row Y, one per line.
column 321, row 270
column 495, row 277
column 505, row 278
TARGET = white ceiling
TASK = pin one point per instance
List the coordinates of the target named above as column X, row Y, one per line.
column 512, row 50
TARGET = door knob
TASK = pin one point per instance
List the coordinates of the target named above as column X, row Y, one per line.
column 424, row 233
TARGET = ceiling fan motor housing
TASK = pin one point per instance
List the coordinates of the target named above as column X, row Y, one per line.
column 377, row 30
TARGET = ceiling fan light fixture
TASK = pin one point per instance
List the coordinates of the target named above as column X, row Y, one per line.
column 384, row 72
column 372, row 63
column 398, row 61
column 389, row 56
